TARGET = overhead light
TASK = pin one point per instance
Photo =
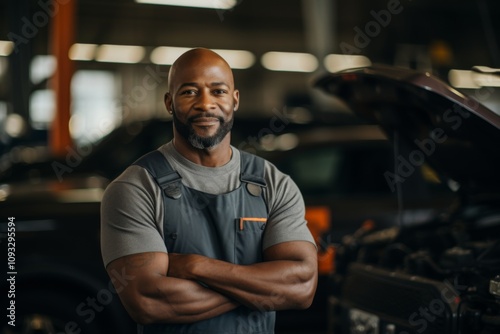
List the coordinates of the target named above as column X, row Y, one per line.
column 339, row 62
column 80, row 51
column 289, row 61
column 462, row 79
column 237, row 59
column 120, row 53
column 6, row 48
column 166, row 55
column 486, row 76
column 472, row 79
column 215, row 4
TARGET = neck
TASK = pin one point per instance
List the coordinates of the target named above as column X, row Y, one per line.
column 216, row 156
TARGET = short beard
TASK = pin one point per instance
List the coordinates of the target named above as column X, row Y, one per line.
column 187, row 132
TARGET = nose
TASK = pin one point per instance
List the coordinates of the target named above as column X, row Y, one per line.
column 205, row 101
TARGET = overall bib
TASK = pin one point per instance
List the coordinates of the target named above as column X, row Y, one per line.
column 227, row 227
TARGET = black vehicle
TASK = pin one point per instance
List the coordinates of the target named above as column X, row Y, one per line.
column 438, row 275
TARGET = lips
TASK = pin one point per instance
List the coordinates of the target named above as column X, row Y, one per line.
column 205, row 120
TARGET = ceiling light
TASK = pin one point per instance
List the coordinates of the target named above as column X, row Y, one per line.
column 237, row 59
column 486, row 76
column 166, row 55
column 289, row 61
column 339, row 62
column 215, row 4
column 80, row 51
column 6, row 48
column 462, row 79
column 120, row 53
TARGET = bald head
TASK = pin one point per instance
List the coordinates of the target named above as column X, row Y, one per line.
column 196, row 60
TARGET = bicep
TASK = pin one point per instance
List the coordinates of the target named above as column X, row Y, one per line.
column 301, row 251
column 136, row 277
column 129, row 220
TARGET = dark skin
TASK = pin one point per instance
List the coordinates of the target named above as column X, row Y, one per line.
column 165, row 287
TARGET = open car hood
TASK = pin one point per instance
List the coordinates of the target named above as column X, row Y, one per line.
column 457, row 135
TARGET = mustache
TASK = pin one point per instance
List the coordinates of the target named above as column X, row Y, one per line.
column 211, row 115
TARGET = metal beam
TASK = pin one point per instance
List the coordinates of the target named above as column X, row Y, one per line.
column 63, row 27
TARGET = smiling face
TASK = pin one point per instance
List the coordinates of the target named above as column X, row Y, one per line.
column 202, row 98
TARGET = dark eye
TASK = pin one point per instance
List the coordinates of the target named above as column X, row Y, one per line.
column 188, row 92
column 220, row 91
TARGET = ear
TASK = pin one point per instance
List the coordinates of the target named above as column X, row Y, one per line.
column 236, row 99
column 167, row 99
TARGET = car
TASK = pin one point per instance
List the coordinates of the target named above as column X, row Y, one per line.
column 438, row 274
column 341, row 172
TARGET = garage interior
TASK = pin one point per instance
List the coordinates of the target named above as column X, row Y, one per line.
column 78, row 76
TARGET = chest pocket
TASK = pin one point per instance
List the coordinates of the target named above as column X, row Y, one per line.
column 248, row 240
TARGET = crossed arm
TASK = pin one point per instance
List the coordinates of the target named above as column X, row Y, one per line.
column 165, row 287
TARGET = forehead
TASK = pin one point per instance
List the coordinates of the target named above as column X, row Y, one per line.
column 202, row 71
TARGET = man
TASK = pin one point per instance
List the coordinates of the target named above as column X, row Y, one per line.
column 211, row 239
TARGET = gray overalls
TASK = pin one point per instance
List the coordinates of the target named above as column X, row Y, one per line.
column 227, row 227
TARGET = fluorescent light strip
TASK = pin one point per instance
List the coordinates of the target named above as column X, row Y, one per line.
column 120, row 53
column 81, row 51
column 166, row 55
column 473, row 79
column 289, row 61
column 214, row 4
column 339, row 62
column 237, row 59
column 462, row 79
column 6, row 48
column 486, row 79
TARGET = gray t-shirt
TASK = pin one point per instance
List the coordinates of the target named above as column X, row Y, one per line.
column 132, row 207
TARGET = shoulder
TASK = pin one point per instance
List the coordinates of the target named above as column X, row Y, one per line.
column 275, row 177
column 135, row 181
column 269, row 171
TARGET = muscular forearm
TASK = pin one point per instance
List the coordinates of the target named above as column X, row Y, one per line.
column 182, row 301
column 272, row 285
column 149, row 295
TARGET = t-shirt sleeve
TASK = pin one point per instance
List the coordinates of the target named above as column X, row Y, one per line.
column 286, row 221
column 129, row 216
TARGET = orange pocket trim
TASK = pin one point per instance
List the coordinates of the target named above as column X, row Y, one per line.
column 250, row 219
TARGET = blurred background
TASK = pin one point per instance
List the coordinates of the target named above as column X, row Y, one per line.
column 119, row 52
column 81, row 97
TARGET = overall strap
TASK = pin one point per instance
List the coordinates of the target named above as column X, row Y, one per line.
column 252, row 173
column 167, row 178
